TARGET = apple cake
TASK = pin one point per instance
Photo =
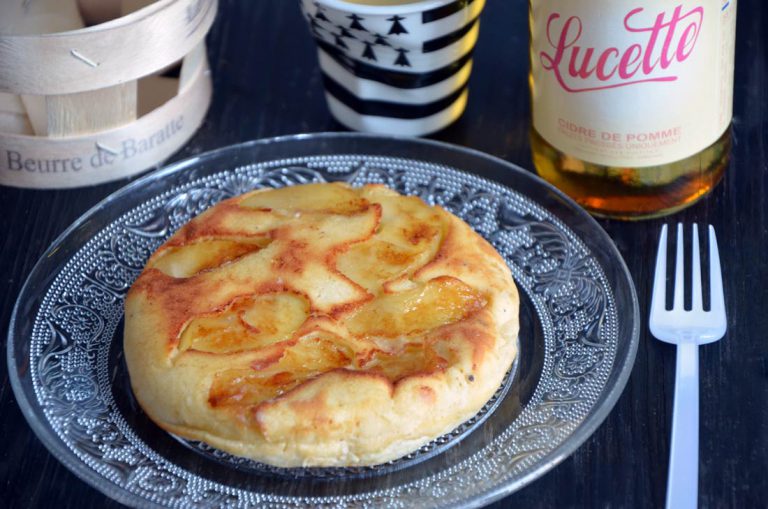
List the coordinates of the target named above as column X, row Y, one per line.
column 320, row 325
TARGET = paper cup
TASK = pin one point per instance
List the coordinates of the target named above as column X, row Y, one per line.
column 395, row 69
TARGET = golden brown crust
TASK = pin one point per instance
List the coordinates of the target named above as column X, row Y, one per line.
column 320, row 325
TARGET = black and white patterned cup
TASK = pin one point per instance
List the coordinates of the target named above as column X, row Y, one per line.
column 395, row 69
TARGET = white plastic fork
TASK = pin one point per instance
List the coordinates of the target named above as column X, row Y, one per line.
column 687, row 330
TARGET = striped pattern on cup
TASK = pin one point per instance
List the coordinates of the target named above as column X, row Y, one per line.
column 390, row 73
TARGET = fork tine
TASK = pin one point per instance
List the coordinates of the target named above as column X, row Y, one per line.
column 696, row 297
column 660, row 276
column 677, row 303
column 715, row 275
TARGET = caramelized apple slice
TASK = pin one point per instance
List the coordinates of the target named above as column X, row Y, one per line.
column 374, row 262
column 408, row 237
column 248, row 324
column 309, row 357
column 246, row 387
column 188, row 260
column 334, row 198
column 315, row 354
column 412, row 359
column 407, row 221
column 428, row 305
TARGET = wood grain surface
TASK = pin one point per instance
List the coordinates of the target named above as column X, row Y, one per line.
column 267, row 83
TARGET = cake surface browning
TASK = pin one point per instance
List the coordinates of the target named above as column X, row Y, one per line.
column 320, row 325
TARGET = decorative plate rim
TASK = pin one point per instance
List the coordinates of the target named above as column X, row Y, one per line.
column 585, row 429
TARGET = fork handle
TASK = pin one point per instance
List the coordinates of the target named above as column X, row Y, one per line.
column 683, row 480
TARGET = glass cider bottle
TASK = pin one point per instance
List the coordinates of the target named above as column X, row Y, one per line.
column 632, row 101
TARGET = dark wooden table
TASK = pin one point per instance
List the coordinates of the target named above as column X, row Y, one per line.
column 267, row 83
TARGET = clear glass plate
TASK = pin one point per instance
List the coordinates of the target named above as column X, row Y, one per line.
column 579, row 332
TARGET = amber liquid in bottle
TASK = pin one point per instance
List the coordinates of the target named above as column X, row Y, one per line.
column 633, row 193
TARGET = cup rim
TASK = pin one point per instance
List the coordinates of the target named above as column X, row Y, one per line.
column 409, row 8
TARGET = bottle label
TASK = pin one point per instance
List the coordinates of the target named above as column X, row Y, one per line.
column 629, row 83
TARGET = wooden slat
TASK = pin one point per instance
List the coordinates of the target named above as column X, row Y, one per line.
column 24, row 17
column 21, row 17
column 15, row 123
column 89, row 112
column 190, row 65
column 70, row 114
column 125, row 49
column 88, row 159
